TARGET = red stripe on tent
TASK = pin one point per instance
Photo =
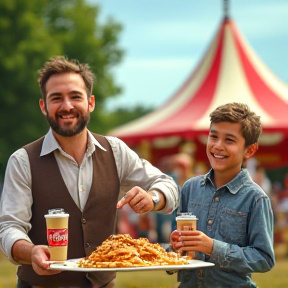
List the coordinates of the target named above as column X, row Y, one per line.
column 182, row 122
column 185, row 118
column 267, row 99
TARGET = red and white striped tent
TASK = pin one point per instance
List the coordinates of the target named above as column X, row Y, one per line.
column 230, row 71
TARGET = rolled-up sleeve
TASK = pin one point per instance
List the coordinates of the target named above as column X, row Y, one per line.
column 16, row 202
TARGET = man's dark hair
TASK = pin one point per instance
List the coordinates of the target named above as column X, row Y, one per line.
column 61, row 64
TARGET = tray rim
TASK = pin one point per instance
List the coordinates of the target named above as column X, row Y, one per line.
column 69, row 265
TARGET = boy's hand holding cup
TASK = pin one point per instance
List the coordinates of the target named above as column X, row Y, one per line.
column 187, row 222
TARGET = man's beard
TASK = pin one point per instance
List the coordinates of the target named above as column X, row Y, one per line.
column 69, row 132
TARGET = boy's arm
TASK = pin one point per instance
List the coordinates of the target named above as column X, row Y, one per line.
column 258, row 255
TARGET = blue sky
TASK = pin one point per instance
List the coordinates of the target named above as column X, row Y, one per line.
column 165, row 39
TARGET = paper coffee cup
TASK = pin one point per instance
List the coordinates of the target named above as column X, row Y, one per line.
column 57, row 234
column 186, row 222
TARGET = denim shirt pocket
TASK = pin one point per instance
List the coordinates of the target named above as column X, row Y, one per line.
column 233, row 226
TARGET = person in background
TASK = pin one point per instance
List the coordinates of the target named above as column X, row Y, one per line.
column 282, row 214
column 88, row 175
column 235, row 226
column 262, row 180
column 127, row 222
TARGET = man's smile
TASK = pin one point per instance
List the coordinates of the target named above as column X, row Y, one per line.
column 70, row 116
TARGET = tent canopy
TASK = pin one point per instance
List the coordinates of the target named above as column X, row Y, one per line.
column 230, row 71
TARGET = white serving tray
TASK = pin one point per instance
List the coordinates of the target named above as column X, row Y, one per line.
column 71, row 265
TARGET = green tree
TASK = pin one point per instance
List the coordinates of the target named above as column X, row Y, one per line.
column 32, row 32
column 82, row 37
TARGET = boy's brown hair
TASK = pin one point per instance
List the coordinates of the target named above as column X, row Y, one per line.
column 61, row 64
column 239, row 113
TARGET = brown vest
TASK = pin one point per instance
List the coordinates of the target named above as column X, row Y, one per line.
column 87, row 229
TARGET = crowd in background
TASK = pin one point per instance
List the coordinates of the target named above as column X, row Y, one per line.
column 278, row 193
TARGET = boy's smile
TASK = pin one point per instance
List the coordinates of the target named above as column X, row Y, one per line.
column 219, row 156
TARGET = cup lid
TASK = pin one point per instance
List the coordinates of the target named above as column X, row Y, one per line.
column 56, row 212
column 186, row 215
column 61, row 215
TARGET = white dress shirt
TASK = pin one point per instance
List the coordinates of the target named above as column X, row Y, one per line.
column 16, row 200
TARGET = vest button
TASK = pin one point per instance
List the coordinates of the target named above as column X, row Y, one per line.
column 87, row 245
column 84, row 221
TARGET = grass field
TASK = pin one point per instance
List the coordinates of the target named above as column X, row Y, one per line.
column 276, row 278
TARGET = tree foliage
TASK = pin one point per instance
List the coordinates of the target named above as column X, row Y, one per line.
column 32, row 32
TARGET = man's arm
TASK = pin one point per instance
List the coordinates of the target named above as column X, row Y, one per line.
column 136, row 172
column 21, row 252
column 16, row 202
column 141, row 201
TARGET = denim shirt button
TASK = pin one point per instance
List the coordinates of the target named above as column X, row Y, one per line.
column 216, row 199
column 210, row 222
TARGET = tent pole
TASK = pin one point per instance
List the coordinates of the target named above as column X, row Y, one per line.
column 226, row 9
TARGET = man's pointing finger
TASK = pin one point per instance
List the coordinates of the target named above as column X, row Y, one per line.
column 122, row 202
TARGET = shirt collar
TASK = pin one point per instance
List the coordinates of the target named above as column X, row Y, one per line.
column 92, row 142
column 235, row 184
column 50, row 144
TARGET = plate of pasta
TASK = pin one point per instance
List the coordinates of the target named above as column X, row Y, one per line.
column 123, row 253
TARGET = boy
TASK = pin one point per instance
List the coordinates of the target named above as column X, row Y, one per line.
column 235, row 227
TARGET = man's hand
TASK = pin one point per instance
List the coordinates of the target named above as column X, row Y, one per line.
column 138, row 199
column 40, row 257
column 191, row 241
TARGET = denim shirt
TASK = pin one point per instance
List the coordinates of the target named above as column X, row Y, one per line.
column 238, row 216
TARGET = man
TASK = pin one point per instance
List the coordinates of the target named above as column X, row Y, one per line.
column 72, row 168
